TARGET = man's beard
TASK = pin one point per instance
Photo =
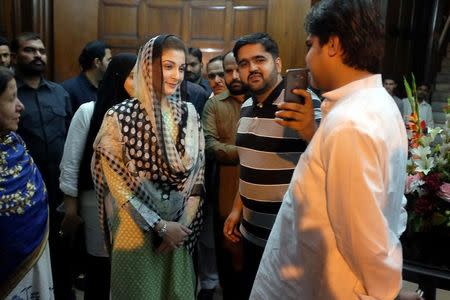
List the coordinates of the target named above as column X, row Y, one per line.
column 421, row 97
column 32, row 69
column 192, row 77
column 267, row 83
column 235, row 91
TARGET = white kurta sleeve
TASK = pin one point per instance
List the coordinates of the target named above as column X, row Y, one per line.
column 74, row 149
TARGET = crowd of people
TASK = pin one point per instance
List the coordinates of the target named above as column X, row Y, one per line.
column 144, row 180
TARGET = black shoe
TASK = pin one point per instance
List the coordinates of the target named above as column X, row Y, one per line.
column 206, row 294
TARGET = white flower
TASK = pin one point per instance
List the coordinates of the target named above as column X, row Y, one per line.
column 441, row 161
column 426, row 140
column 434, row 132
column 421, row 151
column 424, row 164
column 444, row 149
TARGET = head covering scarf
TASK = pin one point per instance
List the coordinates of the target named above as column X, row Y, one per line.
column 23, row 212
column 162, row 152
column 110, row 92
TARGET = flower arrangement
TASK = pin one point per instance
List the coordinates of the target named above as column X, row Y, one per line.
column 428, row 168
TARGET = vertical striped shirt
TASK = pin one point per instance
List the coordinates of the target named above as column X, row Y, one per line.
column 268, row 154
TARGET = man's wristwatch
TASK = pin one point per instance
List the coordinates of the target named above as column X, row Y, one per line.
column 162, row 229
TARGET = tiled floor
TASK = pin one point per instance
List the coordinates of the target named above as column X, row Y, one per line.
column 440, row 294
column 407, row 286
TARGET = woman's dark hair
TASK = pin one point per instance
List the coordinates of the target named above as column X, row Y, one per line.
column 6, row 75
column 357, row 24
column 110, row 92
column 262, row 38
column 92, row 50
column 161, row 43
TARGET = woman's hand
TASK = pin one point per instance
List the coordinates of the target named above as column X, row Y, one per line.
column 174, row 237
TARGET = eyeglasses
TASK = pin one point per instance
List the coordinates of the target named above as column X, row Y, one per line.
column 212, row 76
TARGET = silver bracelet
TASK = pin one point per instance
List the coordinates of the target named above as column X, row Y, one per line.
column 163, row 229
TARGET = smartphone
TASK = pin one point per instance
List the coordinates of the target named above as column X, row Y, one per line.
column 295, row 79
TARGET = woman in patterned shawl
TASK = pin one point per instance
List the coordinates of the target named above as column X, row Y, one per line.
column 25, row 270
column 148, row 169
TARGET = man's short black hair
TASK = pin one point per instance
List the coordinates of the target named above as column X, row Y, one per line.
column 223, row 57
column 357, row 24
column 4, row 42
column 389, row 77
column 196, row 53
column 215, row 58
column 92, row 50
column 262, row 38
column 24, row 36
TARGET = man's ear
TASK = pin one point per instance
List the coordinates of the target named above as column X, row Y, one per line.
column 97, row 62
column 334, row 45
column 278, row 64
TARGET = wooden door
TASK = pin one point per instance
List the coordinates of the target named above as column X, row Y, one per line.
column 211, row 25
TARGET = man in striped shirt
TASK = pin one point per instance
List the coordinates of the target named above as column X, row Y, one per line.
column 271, row 136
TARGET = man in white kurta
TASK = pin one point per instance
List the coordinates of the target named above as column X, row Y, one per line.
column 335, row 236
column 340, row 217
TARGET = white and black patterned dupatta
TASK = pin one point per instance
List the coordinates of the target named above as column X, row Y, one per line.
column 149, row 153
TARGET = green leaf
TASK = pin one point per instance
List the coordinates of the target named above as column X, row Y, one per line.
column 438, row 219
column 407, row 88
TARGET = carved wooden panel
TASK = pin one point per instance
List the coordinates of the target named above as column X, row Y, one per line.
column 72, row 30
column 119, row 22
column 161, row 18
column 249, row 19
column 207, row 22
column 211, row 25
column 6, row 19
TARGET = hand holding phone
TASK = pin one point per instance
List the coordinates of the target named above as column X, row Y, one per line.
column 295, row 79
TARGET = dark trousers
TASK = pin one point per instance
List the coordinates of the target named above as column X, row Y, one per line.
column 230, row 275
column 252, row 258
column 98, row 277
column 61, row 260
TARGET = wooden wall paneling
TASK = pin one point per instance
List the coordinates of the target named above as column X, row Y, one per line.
column 285, row 23
column 34, row 16
column 162, row 17
column 23, row 16
column 119, row 24
column 6, row 19
column 249, row 16
column 207, row 21
column 228, row 28
column 75, row 24
column 186, row 23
